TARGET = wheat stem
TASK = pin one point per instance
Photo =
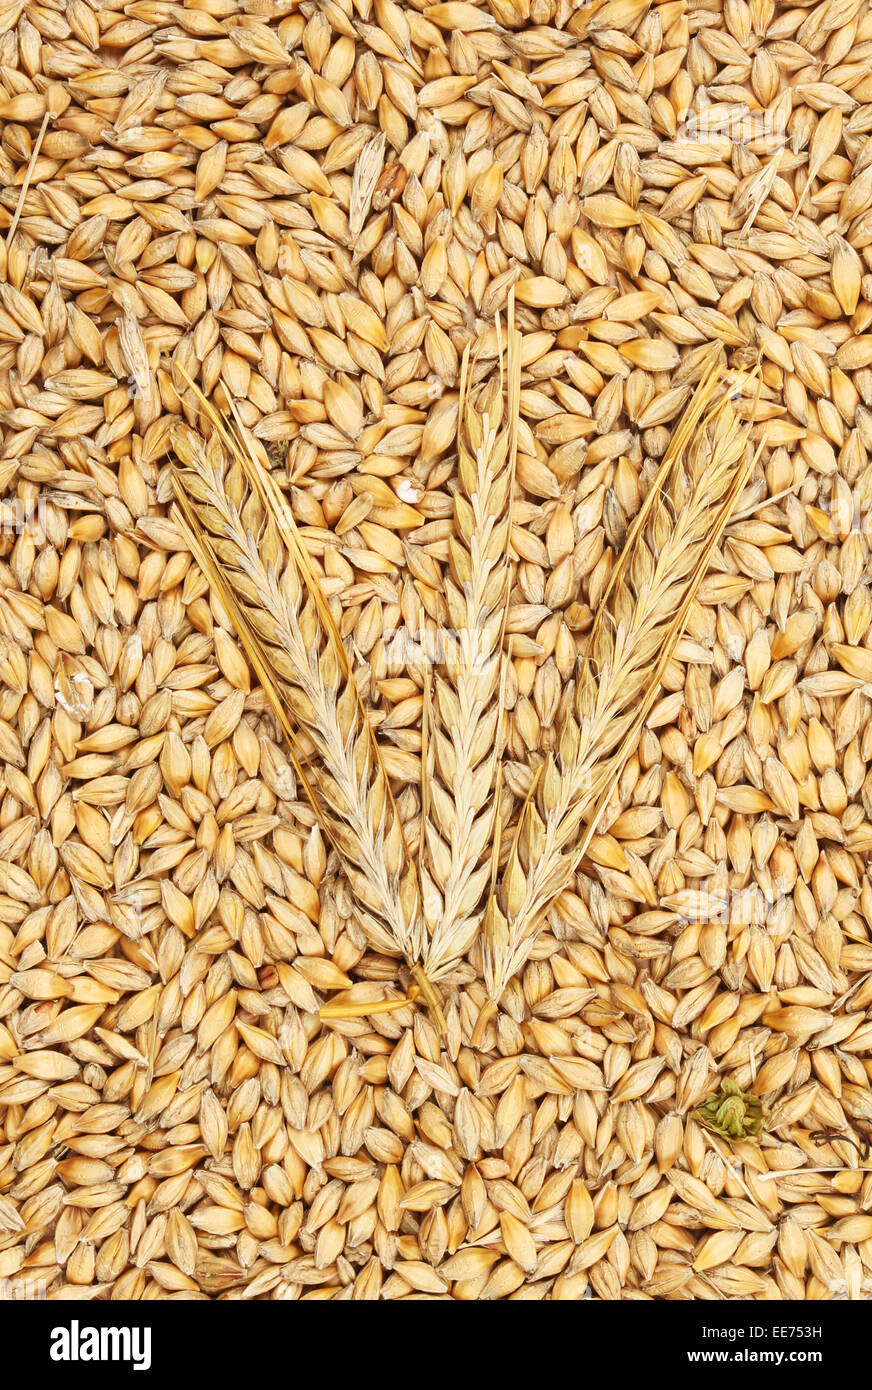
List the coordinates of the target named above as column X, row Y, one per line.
column 381, row 1006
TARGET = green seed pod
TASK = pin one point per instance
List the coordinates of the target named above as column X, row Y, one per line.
column 732, row 1113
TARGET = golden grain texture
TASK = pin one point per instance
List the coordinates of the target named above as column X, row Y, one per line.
column 315, row 214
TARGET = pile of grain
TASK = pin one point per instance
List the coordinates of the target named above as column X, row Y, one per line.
column 311, row 210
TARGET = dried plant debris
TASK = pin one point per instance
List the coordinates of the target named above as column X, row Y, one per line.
column 449, row 278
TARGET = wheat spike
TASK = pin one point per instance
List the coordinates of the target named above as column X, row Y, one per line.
column 618, row 676
column 287, row 630
column 462, row 753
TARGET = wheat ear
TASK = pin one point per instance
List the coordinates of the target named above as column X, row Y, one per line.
column 286, row 628
column 618, row 677
column 463, row 747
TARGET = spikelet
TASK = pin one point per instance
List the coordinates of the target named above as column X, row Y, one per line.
column 464, row 732
column 244, row 538
column 617, row 680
